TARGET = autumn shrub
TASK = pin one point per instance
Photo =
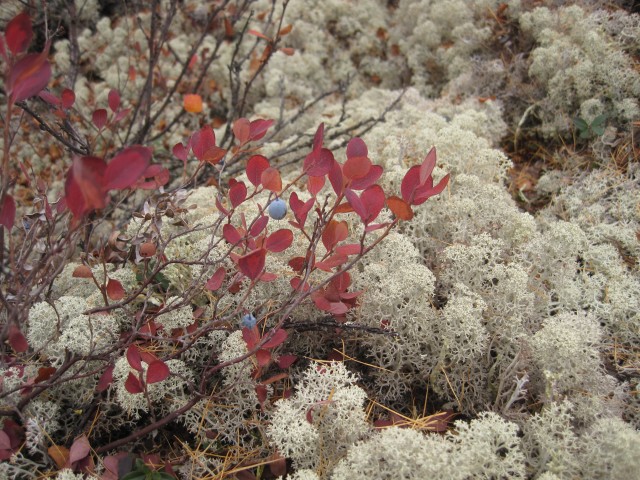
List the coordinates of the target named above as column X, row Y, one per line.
column 127, row 313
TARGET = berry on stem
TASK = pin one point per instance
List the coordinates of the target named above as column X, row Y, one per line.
column 248, row 320
column 277, row 209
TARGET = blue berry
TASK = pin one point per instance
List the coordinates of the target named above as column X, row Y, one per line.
column 248, row 320
column 277, row 209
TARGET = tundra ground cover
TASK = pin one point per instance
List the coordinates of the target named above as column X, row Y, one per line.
column 320, row 239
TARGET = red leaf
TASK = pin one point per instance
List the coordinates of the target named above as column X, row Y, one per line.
column 422, row 196
column 134, row 357
column 68, row 98
column 231, row 234
column 115, row 290
column 17, row 340
column 336, row 178
column 336, row 308
column 400, row 208
column 49, row 98
column 319, row 162
column 133, row 385
column 83, row 187
column 318, row 138
column 111, row 463
column 242, row 130
column 121, row 114
column 127, row 167
column 277, row 339
column 267, row 277
column 258, row 226
column 297, row 283
column 427, row 166
column 5, row 443
column 252, row 264
column 331, row 262
column 342, row 281
column 356, row 204
column 149, row 327
column 29, row 75
column 15, row 433
column 203, row 143
column 99, row 118
column 285, row 361
column 356, row 167
column 215, row 282
column 299, row 208
column 255, row 166
column 410, row 182
column 349, row 249
column 372, row 227
column 439, row 422
column 382, row 423
column 261, row 392
column 44, row 374
column 19, row 33
column 203, row 140
column 181, row 152
column 357, row 148
column 279, row 240
column 157, row 371
column 160, row 177
column 333, row 233
column 237, row 193
column 251, row 336
column 147, row 357
column 114, row 100
column 297, row 264
column 263, row 357
column 375, row 172
column 373, row 200
column 79, row 449
column 7, row 211
column 315, row 184
column 259, row 128
column 275, row 378
column 270, row 179
column 105, row 379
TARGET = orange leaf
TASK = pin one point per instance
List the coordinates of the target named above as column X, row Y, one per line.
column 193, row 103
column 266, row 53
column 400, row 208
column 258, row 34
column 285, row 30
column 356, row 167
column 82, row 271
column 60, row 455
column 334, row 233
column 271, row 180
column 242, row 130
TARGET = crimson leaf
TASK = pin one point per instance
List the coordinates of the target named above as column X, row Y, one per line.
column 127, row 167
column 157, row 371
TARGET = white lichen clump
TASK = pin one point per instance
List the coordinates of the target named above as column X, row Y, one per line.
column 321, row 420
